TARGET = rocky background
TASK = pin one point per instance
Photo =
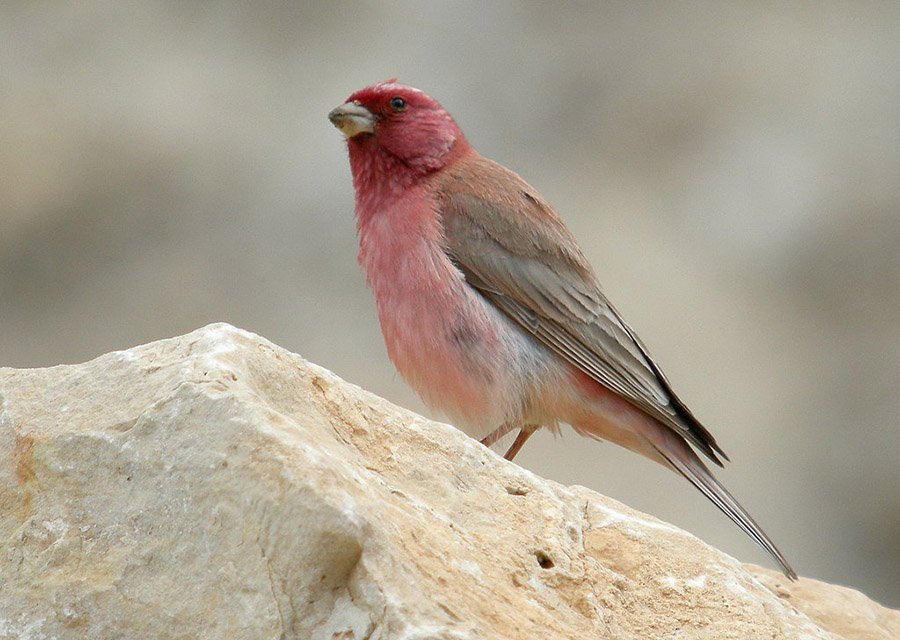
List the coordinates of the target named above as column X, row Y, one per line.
column 215, row 485
column 732, row 173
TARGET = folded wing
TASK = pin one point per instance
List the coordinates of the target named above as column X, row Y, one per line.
column 513, row 248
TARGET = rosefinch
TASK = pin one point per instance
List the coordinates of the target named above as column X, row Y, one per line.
column 489, row 309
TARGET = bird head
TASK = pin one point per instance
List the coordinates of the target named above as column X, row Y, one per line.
column 401, row 121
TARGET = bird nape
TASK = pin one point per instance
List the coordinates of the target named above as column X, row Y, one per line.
column 489, row 308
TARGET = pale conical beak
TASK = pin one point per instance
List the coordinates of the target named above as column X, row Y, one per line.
column 352, row 119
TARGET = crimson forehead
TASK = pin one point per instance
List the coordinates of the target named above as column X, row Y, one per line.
column 387, row 91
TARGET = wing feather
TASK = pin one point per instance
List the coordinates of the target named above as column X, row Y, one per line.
column 513, row 248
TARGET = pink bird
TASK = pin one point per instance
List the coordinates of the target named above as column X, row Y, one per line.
column 488, row 307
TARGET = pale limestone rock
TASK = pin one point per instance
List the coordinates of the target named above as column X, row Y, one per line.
column 846, row 613
column 218, row 486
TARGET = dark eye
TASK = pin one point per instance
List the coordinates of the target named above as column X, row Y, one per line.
column 398, row 103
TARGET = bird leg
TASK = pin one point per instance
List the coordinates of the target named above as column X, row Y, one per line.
column 519, row 442
column 524, row 433
column 496, row 434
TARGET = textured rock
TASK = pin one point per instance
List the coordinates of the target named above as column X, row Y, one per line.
column 846, row 613
column 217, row 486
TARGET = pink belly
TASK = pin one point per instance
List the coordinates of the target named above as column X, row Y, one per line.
column 448, row 345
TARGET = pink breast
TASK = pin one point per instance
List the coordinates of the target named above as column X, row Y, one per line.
column 441, row 335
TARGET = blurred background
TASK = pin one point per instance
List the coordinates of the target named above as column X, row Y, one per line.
column 732, row 171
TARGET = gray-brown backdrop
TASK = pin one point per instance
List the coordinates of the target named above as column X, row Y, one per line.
column 733, row 172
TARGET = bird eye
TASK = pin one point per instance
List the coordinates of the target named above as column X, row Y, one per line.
column 398, row 103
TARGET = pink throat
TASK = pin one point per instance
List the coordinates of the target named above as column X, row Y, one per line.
column 379, row 177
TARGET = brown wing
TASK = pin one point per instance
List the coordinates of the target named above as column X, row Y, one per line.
column 513, row 248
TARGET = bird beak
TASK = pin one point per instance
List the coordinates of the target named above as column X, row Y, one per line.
column 352, row 119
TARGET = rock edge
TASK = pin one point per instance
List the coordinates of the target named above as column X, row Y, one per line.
column 215, row 485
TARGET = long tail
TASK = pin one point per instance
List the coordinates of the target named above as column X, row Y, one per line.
column 616, row 420
column 687, row 463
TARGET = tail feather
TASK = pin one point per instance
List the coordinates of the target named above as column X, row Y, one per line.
column 701, row 477
column 616, row 420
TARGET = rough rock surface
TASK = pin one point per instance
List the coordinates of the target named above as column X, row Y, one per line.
column 218, row 486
